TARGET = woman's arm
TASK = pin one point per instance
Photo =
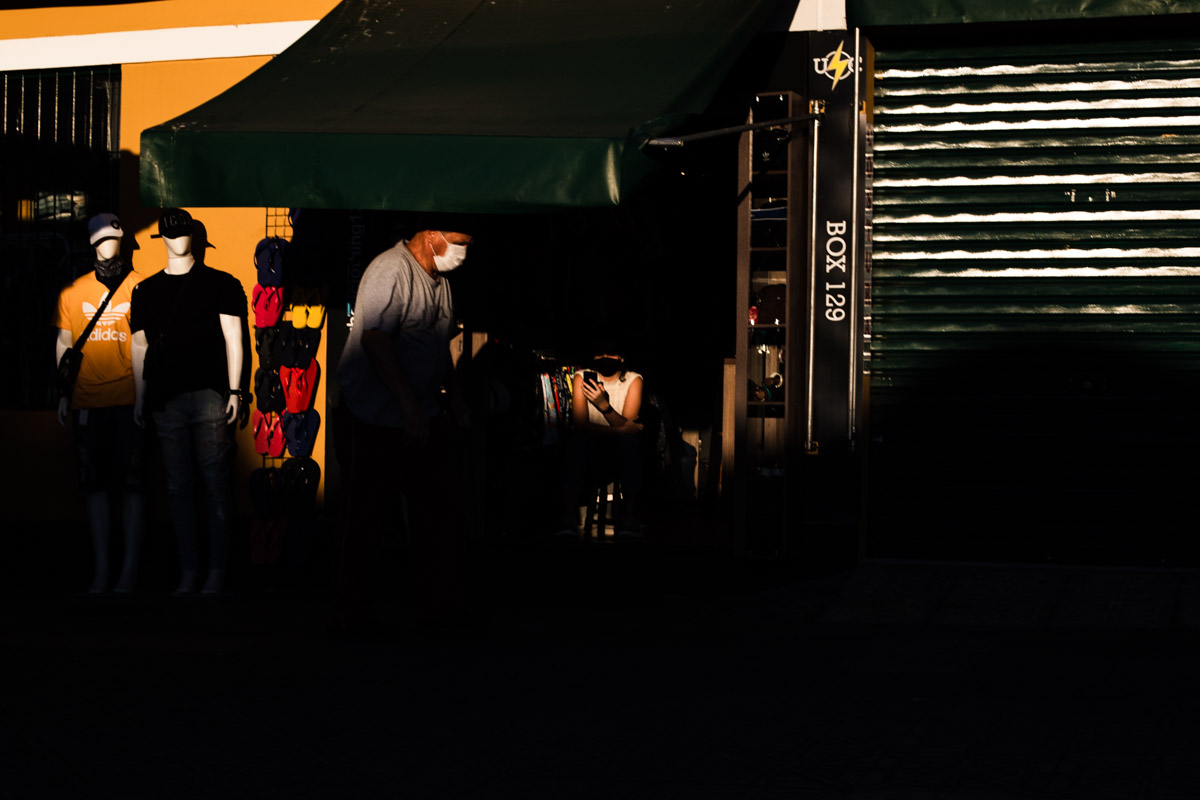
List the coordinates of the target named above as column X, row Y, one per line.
column 616, row 422
column 579, row 404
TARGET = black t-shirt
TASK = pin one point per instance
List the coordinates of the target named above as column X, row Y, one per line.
column 181, row 317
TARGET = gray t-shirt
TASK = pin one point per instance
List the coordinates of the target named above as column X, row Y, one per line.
column 397, row 296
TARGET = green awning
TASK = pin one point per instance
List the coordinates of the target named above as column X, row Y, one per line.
column 868, row 13
column 454, row 105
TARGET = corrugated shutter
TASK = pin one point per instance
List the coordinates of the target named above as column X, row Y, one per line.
column 1035, row 337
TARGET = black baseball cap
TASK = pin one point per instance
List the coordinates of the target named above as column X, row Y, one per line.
column 173, row 223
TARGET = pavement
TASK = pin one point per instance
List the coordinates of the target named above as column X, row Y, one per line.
column 623, row 672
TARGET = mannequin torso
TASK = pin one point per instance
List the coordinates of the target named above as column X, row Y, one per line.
column 201, row 319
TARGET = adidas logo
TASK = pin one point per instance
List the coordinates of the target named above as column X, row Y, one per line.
column 111, row 316
column 107, row 335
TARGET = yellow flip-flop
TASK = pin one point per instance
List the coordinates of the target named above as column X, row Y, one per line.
column 316, row 316
column 299, row 307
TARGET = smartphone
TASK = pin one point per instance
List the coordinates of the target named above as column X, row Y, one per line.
column 590, row 376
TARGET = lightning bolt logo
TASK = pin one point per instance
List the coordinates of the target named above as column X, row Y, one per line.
column 835, row 65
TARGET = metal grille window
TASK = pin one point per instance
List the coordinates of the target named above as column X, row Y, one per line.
column 1036, row 300
column 59, row 164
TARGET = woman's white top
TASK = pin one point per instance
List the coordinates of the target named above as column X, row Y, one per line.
column 617, row 389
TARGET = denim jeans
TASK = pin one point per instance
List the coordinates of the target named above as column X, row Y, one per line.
column 196, row 446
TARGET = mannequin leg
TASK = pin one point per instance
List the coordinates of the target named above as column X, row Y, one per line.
column 135, row 527
column 175, row 438
column 100, row 526
column 213, row 444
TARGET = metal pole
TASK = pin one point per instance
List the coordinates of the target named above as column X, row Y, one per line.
column 680, row 141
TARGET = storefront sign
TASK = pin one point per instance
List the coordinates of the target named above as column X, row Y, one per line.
column 835, row 87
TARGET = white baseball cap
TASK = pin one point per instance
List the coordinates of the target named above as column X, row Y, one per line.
column 104, row 226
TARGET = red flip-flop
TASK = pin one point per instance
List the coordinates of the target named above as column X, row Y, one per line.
column 275, row 437
column 266, row 540
column 299, row 385
column 268, row 305
column 258, row 424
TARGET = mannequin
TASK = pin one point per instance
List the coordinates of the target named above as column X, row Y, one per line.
column 180, row 262
column 108, row 446
column 193, row 416
column 105, row 250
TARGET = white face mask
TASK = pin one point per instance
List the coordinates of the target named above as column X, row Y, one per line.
column 453, row 257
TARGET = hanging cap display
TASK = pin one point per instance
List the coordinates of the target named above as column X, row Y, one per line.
column 173, row 223
column 104, row 226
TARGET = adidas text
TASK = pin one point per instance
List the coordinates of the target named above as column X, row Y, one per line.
column 107, row 335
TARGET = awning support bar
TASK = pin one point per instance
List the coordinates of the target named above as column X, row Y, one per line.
column 680, row 141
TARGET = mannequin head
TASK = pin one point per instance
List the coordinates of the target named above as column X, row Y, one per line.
column 175, row 223
column 107, row 248
column 104, row 234
column 175, row 228
column 178, row 246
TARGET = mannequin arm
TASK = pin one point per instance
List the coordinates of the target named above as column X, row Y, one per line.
column 231, row 328
column 64, row 342
column 138, row 347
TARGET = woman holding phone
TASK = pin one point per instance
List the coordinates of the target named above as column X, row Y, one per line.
column 604, row 410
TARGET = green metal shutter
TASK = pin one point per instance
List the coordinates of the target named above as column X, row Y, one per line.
column 1035, row 300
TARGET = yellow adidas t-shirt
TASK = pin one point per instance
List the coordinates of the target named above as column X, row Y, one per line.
column 106, row 374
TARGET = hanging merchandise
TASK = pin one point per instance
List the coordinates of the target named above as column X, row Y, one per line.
column 307, row 307
column 266, row 540
column 299, row 386
column 267, row 343
column 264, row 492
column 268, row 526
column 298, row 346
column 268, row 434
column 285, row 383
column 300, row 431
column 268, row 391
column 566, row 386
column 259, row 429
column 269, row 256
column 298, row 480
column 267, row 302
column 549, row 410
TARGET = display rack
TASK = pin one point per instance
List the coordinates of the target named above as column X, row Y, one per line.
column 769, row 391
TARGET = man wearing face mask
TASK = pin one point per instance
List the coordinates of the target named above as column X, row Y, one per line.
column 395, row 431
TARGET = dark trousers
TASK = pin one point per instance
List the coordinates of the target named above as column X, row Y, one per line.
column 109, row 446
column 377, row 467
column 591, row 459
column 196, row 445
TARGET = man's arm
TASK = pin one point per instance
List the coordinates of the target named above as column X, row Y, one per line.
column 377, row 344
column 65, row 341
